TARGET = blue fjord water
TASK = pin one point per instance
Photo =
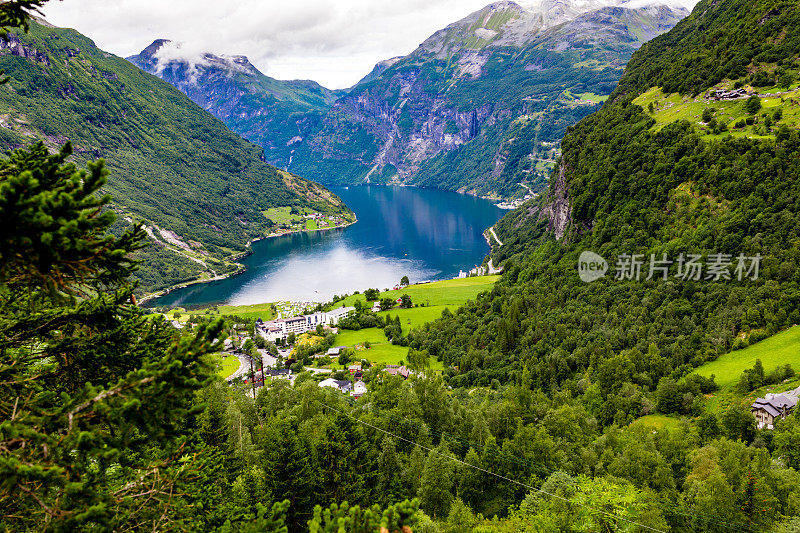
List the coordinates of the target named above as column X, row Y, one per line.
column 421, row 233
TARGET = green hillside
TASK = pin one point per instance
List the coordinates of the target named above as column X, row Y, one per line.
column 172, row 164
column 634, row 180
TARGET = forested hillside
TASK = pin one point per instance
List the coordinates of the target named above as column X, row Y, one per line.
column 200, row 188
column 566, row 405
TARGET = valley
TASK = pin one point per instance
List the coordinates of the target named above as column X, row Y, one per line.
column 480, row 107
column 198, row 188
column 545, row 278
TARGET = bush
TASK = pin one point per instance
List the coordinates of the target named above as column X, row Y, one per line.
column 753, row 105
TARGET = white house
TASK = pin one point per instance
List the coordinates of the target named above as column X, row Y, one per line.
column 359, row 389
column 281, row 328
column 296, row 325
column 342, row 386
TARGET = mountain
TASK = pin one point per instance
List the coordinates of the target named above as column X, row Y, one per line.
column 272, row 113
column 482, row 104
column 680, row 193
column 201, row 189
column 379, row 68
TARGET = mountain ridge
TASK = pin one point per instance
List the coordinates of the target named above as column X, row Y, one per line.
column 269, row 112
column 478, row 113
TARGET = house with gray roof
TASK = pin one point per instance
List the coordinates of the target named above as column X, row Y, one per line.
column 772, row 407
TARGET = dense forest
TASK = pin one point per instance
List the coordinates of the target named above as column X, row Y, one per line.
column 633, row 189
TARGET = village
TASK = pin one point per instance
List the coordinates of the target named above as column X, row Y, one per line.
column 260, row 366
column 287, row 220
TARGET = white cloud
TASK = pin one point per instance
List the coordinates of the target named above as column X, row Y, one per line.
column 335, row 42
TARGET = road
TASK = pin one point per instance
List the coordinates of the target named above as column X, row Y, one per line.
column 244, row 367
column 491, row 230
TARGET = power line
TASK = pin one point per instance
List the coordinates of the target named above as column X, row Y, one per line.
column 525, row 485
column 655, row 500
column 664, row 505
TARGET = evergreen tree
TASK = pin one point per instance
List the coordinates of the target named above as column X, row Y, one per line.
column 290, row 468
column 94, row 397
column 388, row 487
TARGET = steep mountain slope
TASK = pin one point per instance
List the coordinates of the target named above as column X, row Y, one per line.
column 673, row 171
column 272, row 113
column 201, row 189
column 481, row 105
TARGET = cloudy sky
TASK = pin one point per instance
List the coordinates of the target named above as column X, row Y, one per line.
column 335, row 42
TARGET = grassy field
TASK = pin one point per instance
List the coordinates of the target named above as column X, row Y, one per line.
column 777, row 350
column 262, row 311
column 417, row 316
column 657, row 422
column 381, row 351
column 674, row 107
column 592, row 97
column 226, row 365
column 283, row 215
column 450, row 292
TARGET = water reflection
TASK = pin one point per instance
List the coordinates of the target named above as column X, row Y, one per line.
column 424, row 234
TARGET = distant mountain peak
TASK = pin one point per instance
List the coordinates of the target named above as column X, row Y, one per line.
column 163, row 53
column 516, row 24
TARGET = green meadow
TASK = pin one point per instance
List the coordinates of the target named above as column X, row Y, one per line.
column 225, row 365
column 380, row 351
column 448, row 292
column 778, row 350
column 674, row 107
column 262, row 311
column 417, row 317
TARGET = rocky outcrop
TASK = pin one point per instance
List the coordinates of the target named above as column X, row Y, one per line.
column 557, row 208
column 11, row 44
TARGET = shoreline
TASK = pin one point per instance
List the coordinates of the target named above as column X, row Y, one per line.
column 236, row 257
